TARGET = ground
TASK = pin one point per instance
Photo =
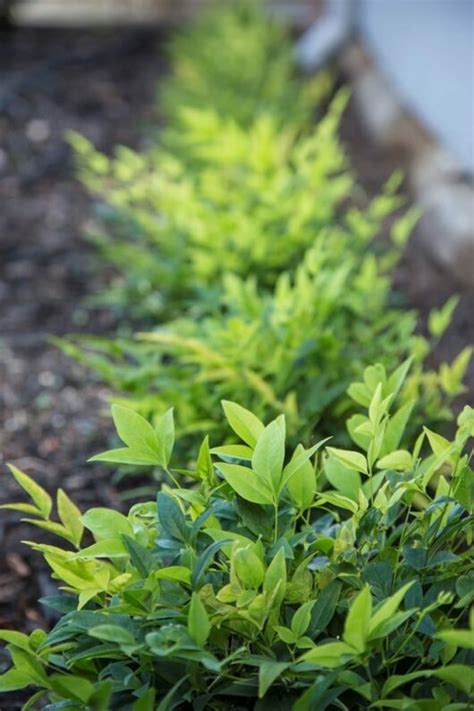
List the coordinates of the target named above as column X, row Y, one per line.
column 53, row 414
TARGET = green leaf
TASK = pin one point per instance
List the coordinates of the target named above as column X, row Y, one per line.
column 439, row 319
column 324, row 608
column 245, row 483
column 171, row 518
column 112, row 633
column 353, row 460
column 269, row 455
column 72, row 687
column 135, row 431
column 70, row 517
column 146, row 702
column 17, row 638
column 248, row 567
column 396, row 427
column 27, row 663
column 127, row 455
column 386, row 610
column 177, row 573
column 244, row 423
column 459, row 675
column 300, row 459
column 14, row 680
column 199, row 626
column 105, row 548
column 38, row 495
column 286, row 635
column 330, row 655
column 398, row 377
column 204, row 467
column 165, row 435
column 356, row 627
column 275, row 577
column 457, row 638
column 400, row 460
column 106, row 523
column 237, row 451
column 302, row 482
column 268, row 672
column 140, row 556
column 301, row 619
column 342, row 477
column 22, row 508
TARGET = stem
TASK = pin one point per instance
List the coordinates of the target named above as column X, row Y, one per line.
column 275, row 532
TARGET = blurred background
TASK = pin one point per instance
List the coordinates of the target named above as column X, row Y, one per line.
column 93, row 66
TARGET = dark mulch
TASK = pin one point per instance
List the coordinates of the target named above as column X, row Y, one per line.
column 53, row 415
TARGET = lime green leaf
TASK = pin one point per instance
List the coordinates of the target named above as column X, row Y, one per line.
column 199, row 626
column 331, row 655
column 245, row 483
column 459, row 675
column 75, row 687
column 70, row 517
column 248, row 567
column 106, row 523
column 439, row 319
column 301, row 482
column 275, row 577
column 356, row 627
column 343, row 478
column 457, row 638
column 17, row 638
column 301, row 619
column 22, row 508
column 238, row 451
column 244, row 423
column 269, row 455
column 177, row 573
column 165, row 436
column 38, row 495
column 14, row 680
column 400, row 460
column 396, row 427
column 105, row 548
column 353, row 460
column 127, row 455
column 134, row 430
column 386, row 610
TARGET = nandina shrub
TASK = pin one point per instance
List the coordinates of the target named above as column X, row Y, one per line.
column 249, row 201
column 292, row 350
column 238, row 58
column 303, row 579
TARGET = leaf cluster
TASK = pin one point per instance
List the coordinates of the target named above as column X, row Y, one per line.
column 312, row 577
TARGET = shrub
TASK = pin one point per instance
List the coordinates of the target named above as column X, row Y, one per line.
column 247, row 201
column 310, row 578
column 292, row 350
column 239, row 60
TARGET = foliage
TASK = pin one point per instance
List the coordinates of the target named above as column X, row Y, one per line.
column 293, row 350
column 309, row 578
column 170, row 229
column 239, row 60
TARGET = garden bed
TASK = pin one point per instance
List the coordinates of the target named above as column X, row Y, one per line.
column 52, row 415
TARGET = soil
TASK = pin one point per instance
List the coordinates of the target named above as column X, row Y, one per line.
column 53, row 414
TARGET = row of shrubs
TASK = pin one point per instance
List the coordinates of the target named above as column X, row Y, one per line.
column 309, row 547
